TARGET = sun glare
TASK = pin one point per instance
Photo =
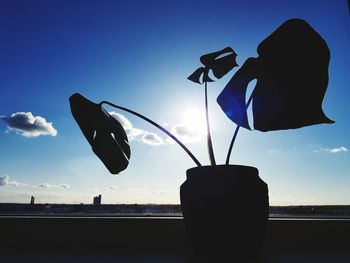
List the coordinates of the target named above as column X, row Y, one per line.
column 194, row 120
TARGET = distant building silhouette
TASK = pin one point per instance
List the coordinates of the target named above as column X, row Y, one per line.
column 32, row 200
column 97, row 200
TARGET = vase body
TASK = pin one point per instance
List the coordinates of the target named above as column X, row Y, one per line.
column 225, row 209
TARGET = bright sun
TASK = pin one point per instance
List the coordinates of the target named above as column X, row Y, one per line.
column 194, row 120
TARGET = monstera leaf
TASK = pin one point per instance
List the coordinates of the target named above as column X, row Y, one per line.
column 220, row 63
column 105, row 134
column 292, row 77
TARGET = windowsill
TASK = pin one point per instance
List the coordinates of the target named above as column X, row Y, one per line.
column 159, row 239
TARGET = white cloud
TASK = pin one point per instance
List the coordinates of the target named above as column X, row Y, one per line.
column 122, row 119
column 151, row 138
column 46, row 185
column 134, row 133
column 333, row 150
column 137, row 134
column 6, row 181
column 338, row 150
column 25, row 124
column 185, row 133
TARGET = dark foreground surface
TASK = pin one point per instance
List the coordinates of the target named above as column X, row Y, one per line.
column 158, row 239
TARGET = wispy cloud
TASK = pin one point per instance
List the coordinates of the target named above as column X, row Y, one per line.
column 138, row 134
column 341, row 149
column 338, row 150
column 104, row 189
column 64, row 186
column 47, row 185
column 25, row 124
column 6, row 181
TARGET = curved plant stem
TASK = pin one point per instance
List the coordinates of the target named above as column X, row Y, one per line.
column 210, row 144
column 235, row 135
column 231, row 145
column 156, row 125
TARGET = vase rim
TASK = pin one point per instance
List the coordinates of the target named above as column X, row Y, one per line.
column 221, row 169
column 220, row 166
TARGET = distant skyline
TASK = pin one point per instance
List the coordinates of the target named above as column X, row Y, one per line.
column 139, row 55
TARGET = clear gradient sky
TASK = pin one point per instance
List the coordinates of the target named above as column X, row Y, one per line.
column 138, row 54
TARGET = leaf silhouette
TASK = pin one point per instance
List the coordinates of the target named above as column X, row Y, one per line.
column 292, row 77
column 104, row 133
column 219, row 62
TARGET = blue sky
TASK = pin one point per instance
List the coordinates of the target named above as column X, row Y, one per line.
column 138, row 54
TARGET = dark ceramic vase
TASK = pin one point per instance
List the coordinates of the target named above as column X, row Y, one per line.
column 225, row 209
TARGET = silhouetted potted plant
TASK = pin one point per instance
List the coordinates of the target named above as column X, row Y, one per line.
column 225, row 207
